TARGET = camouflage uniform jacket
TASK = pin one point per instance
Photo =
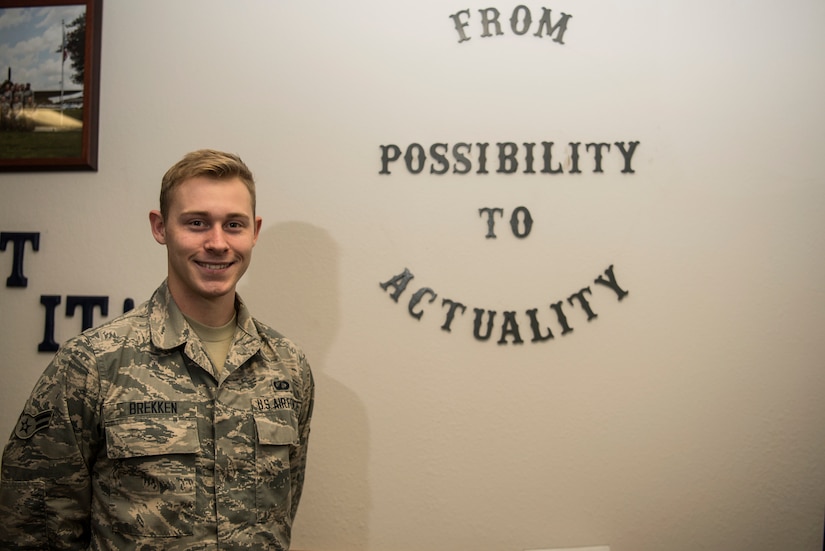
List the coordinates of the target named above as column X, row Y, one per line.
column 130, row 441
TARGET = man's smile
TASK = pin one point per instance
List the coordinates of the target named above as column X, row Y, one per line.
column 213, row 266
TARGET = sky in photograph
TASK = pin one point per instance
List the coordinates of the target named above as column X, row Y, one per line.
column 29, row 42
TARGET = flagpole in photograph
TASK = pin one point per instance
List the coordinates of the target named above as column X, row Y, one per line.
column 62, row 67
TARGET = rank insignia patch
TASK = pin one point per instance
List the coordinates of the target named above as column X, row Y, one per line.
column 28, row 425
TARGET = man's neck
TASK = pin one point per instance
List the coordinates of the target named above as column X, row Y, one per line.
column 209, row 316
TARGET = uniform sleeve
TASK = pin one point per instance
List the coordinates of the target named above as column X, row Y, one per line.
column 298, row 456
column 45, row 490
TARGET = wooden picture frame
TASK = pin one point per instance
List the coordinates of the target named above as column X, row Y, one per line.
column 51, row 123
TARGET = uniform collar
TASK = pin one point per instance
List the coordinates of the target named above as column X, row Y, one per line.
column 169, row 328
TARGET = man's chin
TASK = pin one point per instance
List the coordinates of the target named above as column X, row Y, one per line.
column 217, row 292
column 215, row 289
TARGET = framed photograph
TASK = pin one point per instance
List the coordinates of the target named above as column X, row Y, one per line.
column 49, row 84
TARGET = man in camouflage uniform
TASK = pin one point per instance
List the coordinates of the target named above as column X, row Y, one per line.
column 181, row 425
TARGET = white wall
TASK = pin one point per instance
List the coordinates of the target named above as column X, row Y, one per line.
column 687, row 416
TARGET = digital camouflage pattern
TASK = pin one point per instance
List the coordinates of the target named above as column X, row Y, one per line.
column 131, row 441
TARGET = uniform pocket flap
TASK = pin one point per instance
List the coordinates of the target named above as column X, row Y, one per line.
column 277, row 428
column 147, row 436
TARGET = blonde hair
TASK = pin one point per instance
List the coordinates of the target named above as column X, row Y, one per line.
column 207, row 163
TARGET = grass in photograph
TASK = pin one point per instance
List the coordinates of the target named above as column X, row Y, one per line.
column 48, row 142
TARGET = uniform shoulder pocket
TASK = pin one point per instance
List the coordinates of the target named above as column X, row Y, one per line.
column 277, row 436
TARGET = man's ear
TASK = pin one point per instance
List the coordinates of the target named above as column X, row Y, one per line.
column 158, row 227
column 258, row 222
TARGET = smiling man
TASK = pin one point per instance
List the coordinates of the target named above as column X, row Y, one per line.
column 209, row 231
column 182, row 424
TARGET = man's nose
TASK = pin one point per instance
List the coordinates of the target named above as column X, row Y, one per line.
column 217, row 240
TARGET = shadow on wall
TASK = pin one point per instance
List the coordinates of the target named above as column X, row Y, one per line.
column 293, row 286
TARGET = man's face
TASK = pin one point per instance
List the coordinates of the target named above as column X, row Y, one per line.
column 209, row 234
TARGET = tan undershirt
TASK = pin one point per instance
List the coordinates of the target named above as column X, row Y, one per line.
column 216, row 341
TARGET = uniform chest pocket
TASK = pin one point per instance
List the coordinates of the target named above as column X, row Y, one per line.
column 276, row 438
column 152, row 482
